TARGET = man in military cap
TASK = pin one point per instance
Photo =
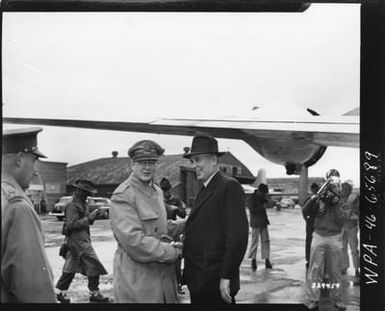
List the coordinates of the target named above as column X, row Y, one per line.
column 80, row 256
column 26, row 275
column 144, row 268
column 216, row 231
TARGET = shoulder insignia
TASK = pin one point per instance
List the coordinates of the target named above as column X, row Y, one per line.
column 11, row 193
column 122, row 187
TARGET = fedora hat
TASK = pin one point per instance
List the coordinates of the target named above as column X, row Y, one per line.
column 203, row 144
column 86, row 186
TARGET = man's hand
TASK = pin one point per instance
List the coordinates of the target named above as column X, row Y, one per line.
column 93, row 215
column 178, row 252
column 224, row 287
column 177, row 244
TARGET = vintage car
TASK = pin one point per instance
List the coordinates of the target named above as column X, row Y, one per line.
column 286, row 202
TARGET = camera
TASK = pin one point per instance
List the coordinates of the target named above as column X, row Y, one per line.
column 329, row 191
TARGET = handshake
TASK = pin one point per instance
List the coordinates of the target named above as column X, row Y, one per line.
column 177, row 245
column 167, row 239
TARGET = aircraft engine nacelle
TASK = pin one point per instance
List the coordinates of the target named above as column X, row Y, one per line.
column 291, row 153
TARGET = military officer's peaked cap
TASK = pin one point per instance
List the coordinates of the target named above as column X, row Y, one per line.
column 145, row 150
column 22, row 140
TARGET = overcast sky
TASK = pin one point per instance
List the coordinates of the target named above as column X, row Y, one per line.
column 117, row 66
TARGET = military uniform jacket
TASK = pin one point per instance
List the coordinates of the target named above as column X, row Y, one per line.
column 81, row 256
column 216, row 236
column 143, row 265
column 352, row 211
column 26, row 275
column 328, row 220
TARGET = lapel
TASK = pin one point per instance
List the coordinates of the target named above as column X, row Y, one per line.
column 145, row 189
column 205, row 194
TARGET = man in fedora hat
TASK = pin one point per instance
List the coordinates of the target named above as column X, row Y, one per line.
column 80, row 255
column 216, row 231
column 26, row 275
column 144, row 270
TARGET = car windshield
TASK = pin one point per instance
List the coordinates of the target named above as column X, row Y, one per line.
column 99, row 201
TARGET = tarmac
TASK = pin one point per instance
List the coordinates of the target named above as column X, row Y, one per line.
column 284, row 284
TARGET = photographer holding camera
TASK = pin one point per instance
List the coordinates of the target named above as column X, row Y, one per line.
column 326, row 245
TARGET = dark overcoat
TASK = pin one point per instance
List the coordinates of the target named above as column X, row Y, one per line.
column 258, row 215
column 216, row 236
column 81, row 256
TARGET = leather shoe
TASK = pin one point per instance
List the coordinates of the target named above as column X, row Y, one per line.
column 340, row 306
column 99, row 298
column 62, row 298
column 268, row 264
column 313, row 306
column 253, row 264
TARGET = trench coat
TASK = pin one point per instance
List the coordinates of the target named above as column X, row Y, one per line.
column 81, row 256
column 216, row 236
column 144, row 270
column 26, row 275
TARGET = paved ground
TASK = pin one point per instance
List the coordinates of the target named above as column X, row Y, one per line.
column 284, row 284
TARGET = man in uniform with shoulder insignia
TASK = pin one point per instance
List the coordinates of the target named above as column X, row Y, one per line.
column 144, row 270
column 26, row 275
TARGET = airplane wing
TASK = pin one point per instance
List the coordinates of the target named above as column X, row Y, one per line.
column 340, row 131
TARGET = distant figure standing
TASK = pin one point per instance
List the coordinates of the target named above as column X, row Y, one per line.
column 26, row 275
column 350, row 229
column 175, row 207
column 258, row 224
column 43, row 206
column 81, row 256
column 309, row 218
